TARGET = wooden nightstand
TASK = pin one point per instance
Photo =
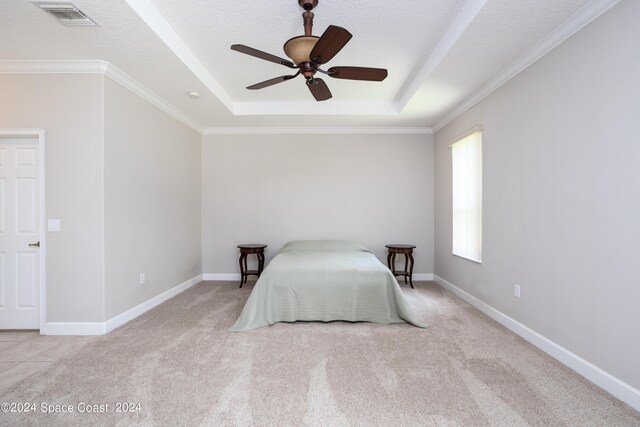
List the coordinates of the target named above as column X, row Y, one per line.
column 407, row 250
column 245, row 250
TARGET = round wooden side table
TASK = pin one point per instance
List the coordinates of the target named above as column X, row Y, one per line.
column 245, row 250
column 407, row 251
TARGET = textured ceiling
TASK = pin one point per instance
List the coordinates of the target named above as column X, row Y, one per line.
column 267, row 25
column 438, row 53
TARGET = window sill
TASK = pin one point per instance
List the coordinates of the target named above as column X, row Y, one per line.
column 477, row 261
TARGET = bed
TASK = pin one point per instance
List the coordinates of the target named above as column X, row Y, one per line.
column 325, row 280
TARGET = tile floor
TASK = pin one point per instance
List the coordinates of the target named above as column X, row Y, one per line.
column 22, row 354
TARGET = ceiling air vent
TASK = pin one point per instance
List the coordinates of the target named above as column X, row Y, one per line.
column 67, row 13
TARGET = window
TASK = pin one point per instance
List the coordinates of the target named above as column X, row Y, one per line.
column 466, row 154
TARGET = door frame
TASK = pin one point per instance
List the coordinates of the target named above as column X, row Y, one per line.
column 40, row 135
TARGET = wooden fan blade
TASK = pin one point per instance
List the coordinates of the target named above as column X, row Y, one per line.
column 358, row 73
column 331, row 42
column 319, row 89
column 262, row 55
column 271, row 82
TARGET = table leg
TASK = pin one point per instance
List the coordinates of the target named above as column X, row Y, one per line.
column 393, row 264
column 389, row 260
column 260, row 262
column 411, row 270
column 241, row 269
column 246, row 276
column 406, row 261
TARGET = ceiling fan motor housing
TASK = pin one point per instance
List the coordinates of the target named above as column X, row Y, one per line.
column 308, row 4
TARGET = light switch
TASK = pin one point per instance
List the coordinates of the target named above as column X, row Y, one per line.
column 53, row 225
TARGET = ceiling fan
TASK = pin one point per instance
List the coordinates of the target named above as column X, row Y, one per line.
column 309, row 52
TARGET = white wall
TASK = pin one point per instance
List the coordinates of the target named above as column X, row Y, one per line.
column 561, row 196
column 69, row 108
column 152, row 200
column 271, row 189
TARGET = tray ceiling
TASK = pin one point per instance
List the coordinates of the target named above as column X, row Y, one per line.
column 439, row 53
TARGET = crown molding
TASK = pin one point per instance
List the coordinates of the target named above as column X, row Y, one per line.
column 572, row 25
column 103, row 67
column 303, row 108
column 87, row 66
column 96, row 67
column 318, row 131
column 124, row 80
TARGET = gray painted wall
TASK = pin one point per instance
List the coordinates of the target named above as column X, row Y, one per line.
column 69, row 108
column 561, row 196
column 124, row 178
column 271, row 189
column 152, row 200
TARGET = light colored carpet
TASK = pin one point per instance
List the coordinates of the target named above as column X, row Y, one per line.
column 183, row 368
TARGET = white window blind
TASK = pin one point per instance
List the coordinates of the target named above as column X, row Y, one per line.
column 467, row 196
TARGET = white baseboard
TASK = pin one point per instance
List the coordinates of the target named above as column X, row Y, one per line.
column 136, row 311
column 236, row 277
column 73, row 328
column 222, row 277
column 423, row 277
column 599, row 377
column 101, row 328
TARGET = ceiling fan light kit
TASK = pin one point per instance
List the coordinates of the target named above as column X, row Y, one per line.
column 308, row 52
column 299, row 48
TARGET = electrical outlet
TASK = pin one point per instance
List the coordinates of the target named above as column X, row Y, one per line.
column 143, row 278
column 516, row 290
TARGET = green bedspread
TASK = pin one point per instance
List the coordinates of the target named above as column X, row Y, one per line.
column 324, row 281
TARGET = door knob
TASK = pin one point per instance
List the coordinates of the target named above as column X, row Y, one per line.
column 35, row 244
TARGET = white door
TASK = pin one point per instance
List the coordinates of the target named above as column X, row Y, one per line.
column 19, row 234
